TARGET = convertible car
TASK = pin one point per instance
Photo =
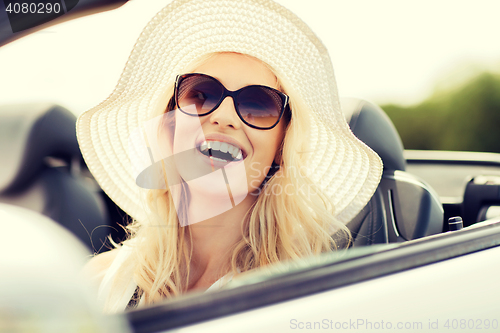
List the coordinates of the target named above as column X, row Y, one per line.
column 425, row 253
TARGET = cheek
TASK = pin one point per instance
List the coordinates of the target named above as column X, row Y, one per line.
column 265, row 148
column 186, row 130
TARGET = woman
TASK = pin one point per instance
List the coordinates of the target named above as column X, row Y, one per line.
column 225, row 142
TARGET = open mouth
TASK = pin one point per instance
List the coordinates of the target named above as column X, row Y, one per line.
column 222, row 151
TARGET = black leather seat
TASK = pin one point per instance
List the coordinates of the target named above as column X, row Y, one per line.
column 403, row 207
column 41, row 169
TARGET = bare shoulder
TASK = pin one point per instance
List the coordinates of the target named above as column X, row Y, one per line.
column 96, row 268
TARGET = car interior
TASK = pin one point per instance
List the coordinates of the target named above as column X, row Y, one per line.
column 43, row 170
column 403, row 207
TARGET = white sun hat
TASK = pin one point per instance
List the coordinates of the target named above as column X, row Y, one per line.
column 345, row 168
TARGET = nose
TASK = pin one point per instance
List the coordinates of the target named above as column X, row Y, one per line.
column 225, row 115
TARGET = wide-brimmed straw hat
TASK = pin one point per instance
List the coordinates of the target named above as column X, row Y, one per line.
column 345, row 168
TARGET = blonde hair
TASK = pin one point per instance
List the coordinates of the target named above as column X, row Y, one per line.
column 279, row 227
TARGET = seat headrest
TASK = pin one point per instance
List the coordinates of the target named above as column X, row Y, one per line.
column 28, row 134
column 372, row 126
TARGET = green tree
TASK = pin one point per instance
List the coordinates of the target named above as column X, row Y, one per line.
column 465, row 118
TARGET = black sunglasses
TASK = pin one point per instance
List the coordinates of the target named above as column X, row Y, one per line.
column 257, row 106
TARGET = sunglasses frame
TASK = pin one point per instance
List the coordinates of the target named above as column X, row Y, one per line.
column 234, row 96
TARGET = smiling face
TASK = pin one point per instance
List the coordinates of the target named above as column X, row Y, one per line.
column 253, row 150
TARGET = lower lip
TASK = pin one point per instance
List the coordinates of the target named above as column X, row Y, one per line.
column 216, row 163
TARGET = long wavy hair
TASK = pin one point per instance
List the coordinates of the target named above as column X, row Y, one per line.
column 287, row 224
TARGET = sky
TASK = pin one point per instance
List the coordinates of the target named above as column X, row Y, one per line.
column 387, row 51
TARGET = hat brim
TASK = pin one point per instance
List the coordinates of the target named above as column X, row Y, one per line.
column 345, row 168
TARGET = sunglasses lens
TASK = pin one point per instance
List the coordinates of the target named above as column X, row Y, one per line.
column 198, row 94
column 260, row 106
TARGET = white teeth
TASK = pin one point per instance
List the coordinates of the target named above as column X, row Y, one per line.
column 223, row 147
column 215, row 145
column 236, row 152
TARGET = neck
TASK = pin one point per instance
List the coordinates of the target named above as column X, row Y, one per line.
column 213, row 238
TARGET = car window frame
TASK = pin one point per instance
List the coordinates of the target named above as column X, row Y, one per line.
column 195, row 308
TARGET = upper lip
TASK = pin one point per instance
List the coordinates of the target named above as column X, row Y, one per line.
column 222, row 138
